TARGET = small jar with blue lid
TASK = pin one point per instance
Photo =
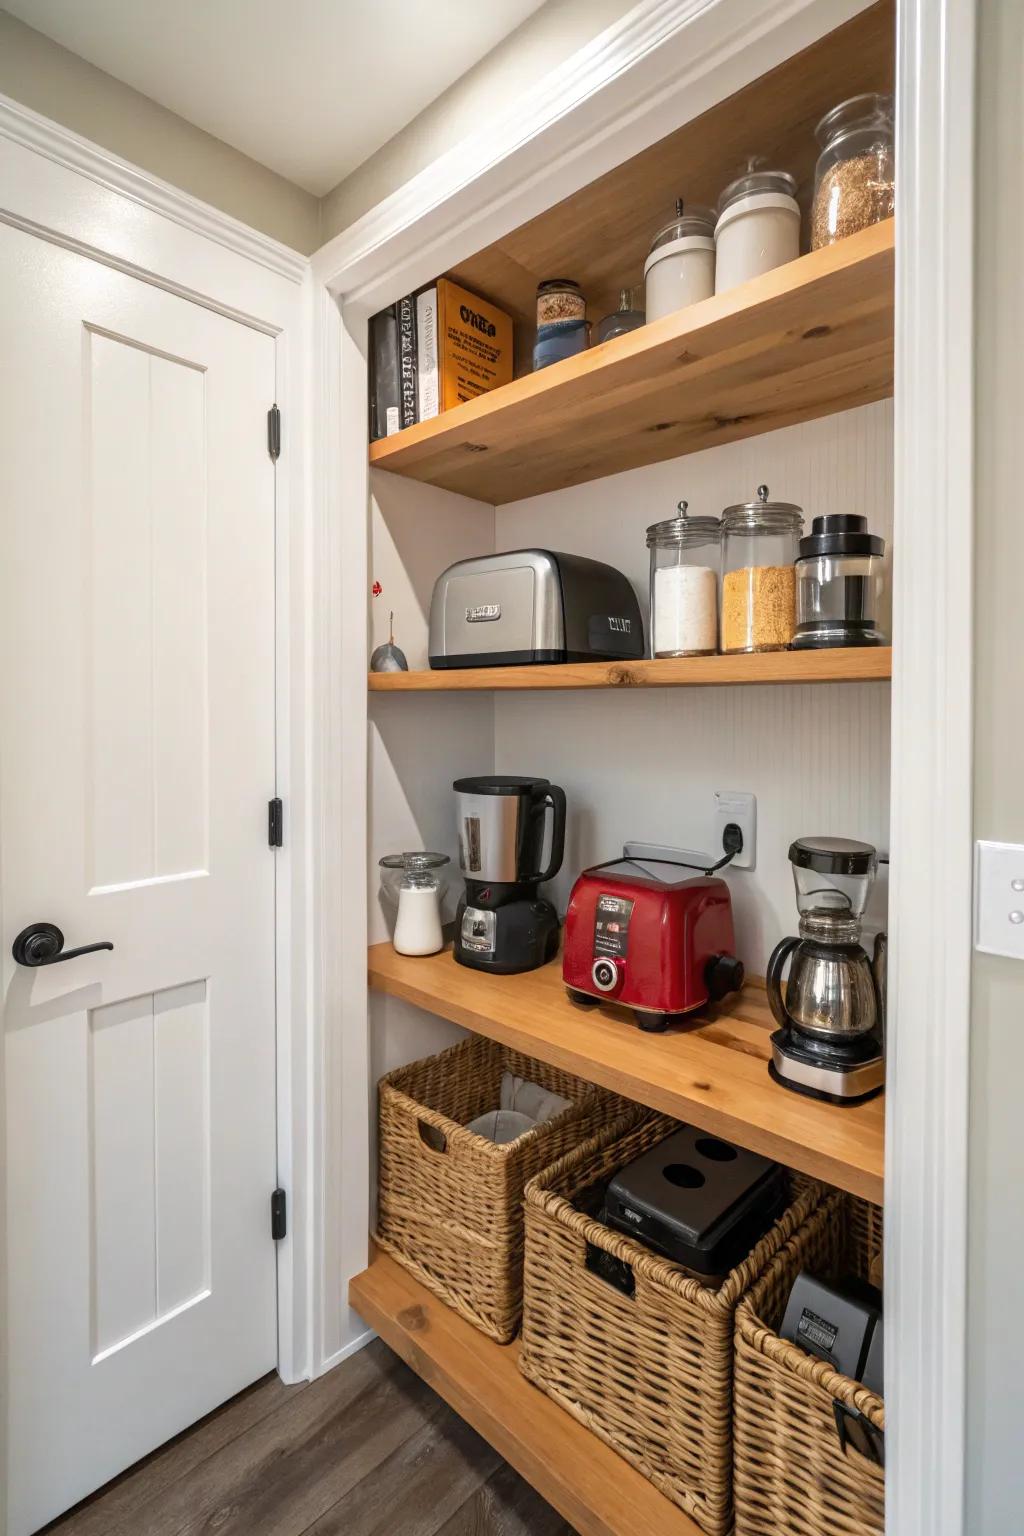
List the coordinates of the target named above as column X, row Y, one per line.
column 562, row 329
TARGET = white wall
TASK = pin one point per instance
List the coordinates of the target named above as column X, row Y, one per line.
column 50, row 79
column 546, row 39
column 995, row 1345
column 644, row 764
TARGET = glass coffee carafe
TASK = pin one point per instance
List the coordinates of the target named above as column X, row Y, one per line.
column 829, row 1043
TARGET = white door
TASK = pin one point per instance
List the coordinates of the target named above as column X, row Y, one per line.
column 137, row 759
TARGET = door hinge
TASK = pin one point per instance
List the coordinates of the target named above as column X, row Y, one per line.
column 278, row 1215
column 274, row 433
column 275, row 823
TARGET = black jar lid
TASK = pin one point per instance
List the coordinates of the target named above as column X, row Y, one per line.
column 833, row 855
column 841, row 533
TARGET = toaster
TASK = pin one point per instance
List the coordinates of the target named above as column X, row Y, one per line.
column 637, row 935
column 533, row 605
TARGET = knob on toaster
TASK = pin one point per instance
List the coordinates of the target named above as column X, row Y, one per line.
column 723, row 974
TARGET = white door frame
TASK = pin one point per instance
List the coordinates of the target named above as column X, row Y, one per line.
column 667, row 61
column 63, row 189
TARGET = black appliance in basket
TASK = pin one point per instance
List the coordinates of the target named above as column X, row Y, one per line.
column 697, row 1200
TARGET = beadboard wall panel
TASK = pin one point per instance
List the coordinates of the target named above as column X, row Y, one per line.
column 645, row 765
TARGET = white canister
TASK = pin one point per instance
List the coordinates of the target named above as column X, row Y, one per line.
column 680, row 268
column 758, row 227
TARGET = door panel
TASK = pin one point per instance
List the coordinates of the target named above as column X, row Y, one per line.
column 136, row 761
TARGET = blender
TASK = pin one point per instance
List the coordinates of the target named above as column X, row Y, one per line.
column 829, row 1044
column 503, row 924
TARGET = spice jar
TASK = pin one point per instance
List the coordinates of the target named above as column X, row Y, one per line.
column 680, row 269
column 854, row 180
column 684, row 584
column 839, row 584
column 628, row 317
column 759, row 546
column 561, row 321
column 758, row 226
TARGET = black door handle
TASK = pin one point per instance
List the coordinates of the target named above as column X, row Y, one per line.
column 43, row 944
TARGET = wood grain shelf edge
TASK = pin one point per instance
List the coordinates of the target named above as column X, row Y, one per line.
column 712, row 1073
column 589, row 1484
column 854, row 665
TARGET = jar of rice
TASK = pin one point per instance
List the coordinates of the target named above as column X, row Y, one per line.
column 855, row 179
column 684, row 585
column 760, row 542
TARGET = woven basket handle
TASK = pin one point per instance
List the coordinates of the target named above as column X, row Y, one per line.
column 432, row 1137
column 858, row 1436
column 613, row 1271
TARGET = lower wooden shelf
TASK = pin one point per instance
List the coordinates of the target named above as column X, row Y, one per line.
column 593, row 1488
column 711, row 1071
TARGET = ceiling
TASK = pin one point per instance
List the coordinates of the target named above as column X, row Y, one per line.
column 310, row 88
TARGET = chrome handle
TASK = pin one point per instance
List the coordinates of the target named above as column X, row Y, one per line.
column 43, row 944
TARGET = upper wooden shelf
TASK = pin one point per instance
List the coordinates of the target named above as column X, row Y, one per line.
column 857, row 665
column 809, row 338
column 712, row 1072
column 586, row 1481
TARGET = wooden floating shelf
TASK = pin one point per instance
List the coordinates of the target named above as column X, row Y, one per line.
column 857, row 665
column 805, row 340
column 712, row 1072
column 597, row 1492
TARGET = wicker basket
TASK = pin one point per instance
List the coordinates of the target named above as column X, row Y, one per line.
column 649, row 1372
column 792, row 1474
column 450, row 1202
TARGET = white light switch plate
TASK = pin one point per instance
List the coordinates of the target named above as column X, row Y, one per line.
column 999, row 899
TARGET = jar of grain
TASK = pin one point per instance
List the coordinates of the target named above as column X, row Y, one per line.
column 684, row 584
column 758, row 226
column 759, row 545
column 855, row 178
column 562, row 328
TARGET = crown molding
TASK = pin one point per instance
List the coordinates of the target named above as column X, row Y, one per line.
column 31, row 130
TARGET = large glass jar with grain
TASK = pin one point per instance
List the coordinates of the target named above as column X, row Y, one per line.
column 855, row 178
column 760, row 542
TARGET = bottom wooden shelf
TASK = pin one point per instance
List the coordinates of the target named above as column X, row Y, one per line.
column 593, row 1488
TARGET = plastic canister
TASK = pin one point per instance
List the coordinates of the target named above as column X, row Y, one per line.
column 680, row 268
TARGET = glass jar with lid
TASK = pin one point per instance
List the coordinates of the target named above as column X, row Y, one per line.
column 628, row 317
column 416, row 883
column 680, row 268
column 684, row 584
column 758, row 226
column 855, row 177
column 759, row 545
column 839, row 584
column 562, row 329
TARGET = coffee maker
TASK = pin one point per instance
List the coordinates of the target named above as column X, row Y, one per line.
column 830, row 1043
column 502, row 924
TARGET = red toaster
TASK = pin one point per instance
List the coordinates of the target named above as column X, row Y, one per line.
column 661, row 946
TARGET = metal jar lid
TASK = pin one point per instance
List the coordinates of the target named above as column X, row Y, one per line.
column 841, row 533
column 833, row 856
column 684, row 532
column 763, row 515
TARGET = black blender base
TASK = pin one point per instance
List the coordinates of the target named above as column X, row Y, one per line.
column 820, row 1093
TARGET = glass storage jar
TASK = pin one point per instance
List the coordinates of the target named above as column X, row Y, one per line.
column 855, row 177
column 416, row 884
column 758, row 226
column 562, row 328
column 680, row 268
column 759, row 546
column 628, row 317
column 838, row 584
column 685, row 559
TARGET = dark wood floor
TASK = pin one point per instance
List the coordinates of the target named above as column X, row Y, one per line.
column 368, row 1450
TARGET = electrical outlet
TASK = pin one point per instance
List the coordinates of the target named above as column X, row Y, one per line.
column 999, row 899
column 741, row 807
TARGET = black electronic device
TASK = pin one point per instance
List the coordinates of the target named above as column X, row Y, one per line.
column 835, row 1322
column 697, row 1200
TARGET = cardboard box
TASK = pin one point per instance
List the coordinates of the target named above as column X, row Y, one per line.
column 475, row 345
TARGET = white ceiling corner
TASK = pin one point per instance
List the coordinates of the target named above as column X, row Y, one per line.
column 309, row 88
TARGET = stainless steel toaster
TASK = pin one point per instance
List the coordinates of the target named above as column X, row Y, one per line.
column 533, row 605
